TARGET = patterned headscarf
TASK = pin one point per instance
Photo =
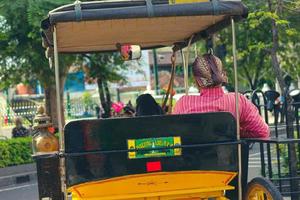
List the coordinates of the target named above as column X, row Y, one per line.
column 208, row 71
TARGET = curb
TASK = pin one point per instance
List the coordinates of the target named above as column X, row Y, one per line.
column 17, row 175
column 17, row 179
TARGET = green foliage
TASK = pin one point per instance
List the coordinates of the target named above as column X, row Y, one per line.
column 4, row 154
column 87, row 99
column 15, row 151
column 22, row 57
column 254, row 41
column 283, row 149
column 105, row 66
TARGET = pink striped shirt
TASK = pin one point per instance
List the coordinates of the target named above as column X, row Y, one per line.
column 215, row 100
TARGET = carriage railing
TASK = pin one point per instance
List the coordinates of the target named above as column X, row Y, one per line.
column 279, row 156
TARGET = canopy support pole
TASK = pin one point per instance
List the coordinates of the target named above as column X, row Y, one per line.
column 237, row 108
column 185, row 61
column 59, row 115
column 155, row 70
column 185, row 73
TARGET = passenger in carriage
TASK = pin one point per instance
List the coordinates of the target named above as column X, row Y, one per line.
column 209, row 76
column 147, row 106
column 129, row 110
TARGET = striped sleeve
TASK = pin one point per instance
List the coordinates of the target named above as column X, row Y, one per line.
column 252, row 124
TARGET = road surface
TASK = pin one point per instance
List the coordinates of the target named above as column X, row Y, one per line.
column 20, row 192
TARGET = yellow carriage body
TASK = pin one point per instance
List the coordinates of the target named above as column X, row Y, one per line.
column 158, row 186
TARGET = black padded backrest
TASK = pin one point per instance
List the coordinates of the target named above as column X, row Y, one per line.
column 112, row 134
column 109, row 136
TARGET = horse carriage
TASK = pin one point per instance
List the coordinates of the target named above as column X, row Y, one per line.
column 194, row 156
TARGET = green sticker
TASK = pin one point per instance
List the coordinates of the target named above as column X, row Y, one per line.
column 154, row 143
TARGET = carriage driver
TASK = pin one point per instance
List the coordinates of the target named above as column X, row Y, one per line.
column 209, row 76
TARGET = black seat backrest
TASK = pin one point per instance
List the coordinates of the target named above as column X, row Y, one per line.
column 110, row 138
column 112, row 134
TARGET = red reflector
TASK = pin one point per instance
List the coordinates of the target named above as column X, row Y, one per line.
column 153, row 166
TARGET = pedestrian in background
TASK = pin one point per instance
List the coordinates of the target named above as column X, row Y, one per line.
column 98, row 112
column 19, row 130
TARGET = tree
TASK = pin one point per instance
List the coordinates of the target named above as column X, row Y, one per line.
column 253, row 62
column 87, row 101
column 105, row 68
column 276, row 21
column 255, row 42
column 22, row 57
column 290, row 46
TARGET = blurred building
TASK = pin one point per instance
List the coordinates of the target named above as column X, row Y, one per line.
column 164, row 66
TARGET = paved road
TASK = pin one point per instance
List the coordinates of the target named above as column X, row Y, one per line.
column 20, row 192
column 254, row 162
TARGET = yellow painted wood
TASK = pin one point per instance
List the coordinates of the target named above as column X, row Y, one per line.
column 203, row 196
column 258, row 192
column 186, row 1
column 177, row 140
column 158, row 186
column 131, row 145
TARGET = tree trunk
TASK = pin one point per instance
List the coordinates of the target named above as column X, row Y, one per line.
column 258, row 70
column 277, row 70
column 50, row 101
column 247, row 74
column 103, row 99
column 108, row 98
column 248, row 77
column 51, row 106
column 273, row 52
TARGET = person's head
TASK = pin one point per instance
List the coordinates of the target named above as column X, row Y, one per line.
column 18, row 122
column 208, row 71
column 146, row 105
column 128, row 111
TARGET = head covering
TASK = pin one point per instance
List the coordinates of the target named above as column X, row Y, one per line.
column 208, row 71
column 146, row 105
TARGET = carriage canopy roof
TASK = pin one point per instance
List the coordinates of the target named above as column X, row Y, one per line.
column 98, row 26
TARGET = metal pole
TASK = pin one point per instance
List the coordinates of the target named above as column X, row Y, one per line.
column 262, row 159
column 155, row 72
column 57, row 87
column 68, row 104
column 237, row 108
column 185, row 72
column 59, row 115
column 185, row 61
column 7, row 106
